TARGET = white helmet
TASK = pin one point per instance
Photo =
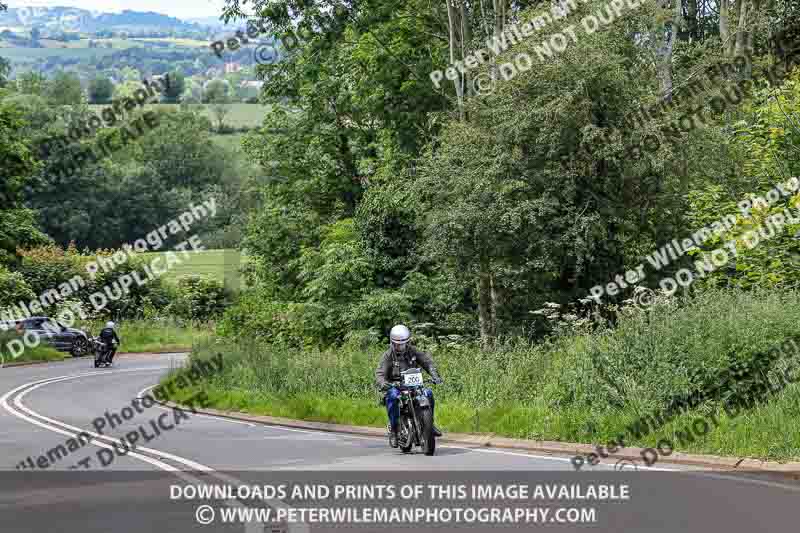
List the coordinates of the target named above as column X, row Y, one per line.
column 110, row 325
column 399, row 336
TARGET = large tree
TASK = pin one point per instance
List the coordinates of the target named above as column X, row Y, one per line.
column 18, row 226
column 65, row 89
column 100, row 90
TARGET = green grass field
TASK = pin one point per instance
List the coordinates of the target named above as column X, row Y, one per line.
column 189, row 43
column 222, row 265
column 240, row 116
column 232, row 142
column 29, row 55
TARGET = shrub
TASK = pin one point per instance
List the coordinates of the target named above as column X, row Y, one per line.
column 199, row 298
column 13, row 289
column 47, row 267
column 130, row 303
column 672, row 350
column 609, row 376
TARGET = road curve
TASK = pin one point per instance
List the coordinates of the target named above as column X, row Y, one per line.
column 70, row 395
column 44, row 407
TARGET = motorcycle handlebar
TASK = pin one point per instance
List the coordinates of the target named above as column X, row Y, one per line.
column 401, row 386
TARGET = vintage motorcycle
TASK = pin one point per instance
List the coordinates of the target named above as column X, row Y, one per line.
column 100, row 351
column 416, row 415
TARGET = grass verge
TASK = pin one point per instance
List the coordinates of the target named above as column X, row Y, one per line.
column 39, row 353
column 587, row 387
column 142, row 336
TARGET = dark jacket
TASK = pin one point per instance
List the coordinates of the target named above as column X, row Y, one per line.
column 393, row 363
column 108, row 335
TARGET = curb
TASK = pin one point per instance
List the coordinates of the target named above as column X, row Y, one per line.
column 728, row 464
column 65, row 359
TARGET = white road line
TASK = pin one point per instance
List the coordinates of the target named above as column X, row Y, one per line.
column 164, row 455
column 318, row 432
column 56, row 426
column 143, row 391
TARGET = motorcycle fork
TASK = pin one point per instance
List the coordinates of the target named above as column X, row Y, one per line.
column 415, row 423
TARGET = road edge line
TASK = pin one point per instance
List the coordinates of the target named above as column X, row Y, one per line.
column 727, row 464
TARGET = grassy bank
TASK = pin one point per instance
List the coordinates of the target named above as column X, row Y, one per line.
column 582, row 388
column 141, row 336
column 39, row 353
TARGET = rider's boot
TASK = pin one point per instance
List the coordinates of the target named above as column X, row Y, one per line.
column 393, row 437
column 436, row 431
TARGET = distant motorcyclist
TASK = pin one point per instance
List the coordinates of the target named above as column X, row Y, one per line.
column 400, row 357
column 109, row 337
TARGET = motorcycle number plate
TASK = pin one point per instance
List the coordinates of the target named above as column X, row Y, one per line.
column 414, row 379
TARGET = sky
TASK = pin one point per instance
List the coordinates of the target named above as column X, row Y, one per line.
column 175, row 8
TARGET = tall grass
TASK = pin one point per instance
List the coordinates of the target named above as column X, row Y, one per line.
column 38, row 353
column 139, row 336
column 584, row 388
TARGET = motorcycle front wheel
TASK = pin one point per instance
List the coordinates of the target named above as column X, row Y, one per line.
column 428, row 438
column 406, row 435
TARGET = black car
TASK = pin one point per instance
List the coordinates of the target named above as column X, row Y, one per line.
column 56, row 334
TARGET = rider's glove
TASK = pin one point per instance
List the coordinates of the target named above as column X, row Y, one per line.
column 435, row 377
column 385, row 386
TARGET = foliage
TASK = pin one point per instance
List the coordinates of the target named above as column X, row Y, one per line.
column 100, row 90
column 49, row 268
column 65, row 89
column 579, row 388
column 13, row 288
column 17, row 223
column 156, row 177
column 5, row 68
column 31, row 82
column 766, row 138
column 175, row 88
column 198, row 298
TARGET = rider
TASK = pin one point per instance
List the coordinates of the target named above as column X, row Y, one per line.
column 399, row 357
column 109, row 336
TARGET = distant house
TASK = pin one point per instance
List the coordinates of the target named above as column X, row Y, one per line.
column 226, row 82
column 252, row 85
column 230, row 68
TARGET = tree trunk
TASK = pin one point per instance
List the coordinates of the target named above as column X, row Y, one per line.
column 466, row 40
column 691, row 14
column 499, row 16
column 666, row 40
column 454, row 27
column 724, row 25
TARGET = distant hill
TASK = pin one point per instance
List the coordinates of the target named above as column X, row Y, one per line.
column 213, row 22
column 82, row 20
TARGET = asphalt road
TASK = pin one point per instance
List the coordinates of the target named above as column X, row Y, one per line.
column 43, row 407
column 78, row 394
